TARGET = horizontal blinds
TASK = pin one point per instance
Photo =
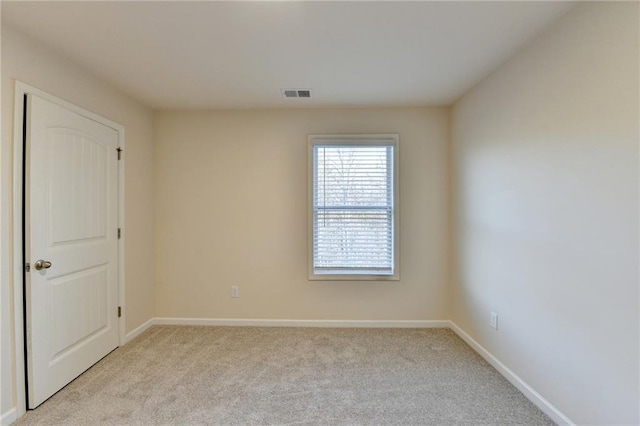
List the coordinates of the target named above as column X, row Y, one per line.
column 353, row 208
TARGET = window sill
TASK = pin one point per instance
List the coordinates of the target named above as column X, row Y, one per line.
column 353, row 277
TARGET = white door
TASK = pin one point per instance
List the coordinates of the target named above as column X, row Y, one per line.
column 71, row 238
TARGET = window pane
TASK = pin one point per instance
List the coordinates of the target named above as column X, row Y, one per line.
column 353, row 176
column 353, row 209
column 353, row 239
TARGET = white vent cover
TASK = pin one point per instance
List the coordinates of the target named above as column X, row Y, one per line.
column 296, row 93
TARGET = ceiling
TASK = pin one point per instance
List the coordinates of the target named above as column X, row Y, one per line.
column 183, row 55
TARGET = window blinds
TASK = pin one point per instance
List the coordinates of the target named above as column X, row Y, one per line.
column 353, row 209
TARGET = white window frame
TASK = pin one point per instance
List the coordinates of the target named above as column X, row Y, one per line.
column 365, row 140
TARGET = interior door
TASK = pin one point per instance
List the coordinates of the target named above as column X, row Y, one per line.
column 71, row 238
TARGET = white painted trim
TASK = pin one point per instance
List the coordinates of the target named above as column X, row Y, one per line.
column 121, row 259
column 25, row 88
column 383, row 139
column 8, row 417
column 301, row 323
column 139, row 330
column 533, row 396
column 20, row 89
column 16, row 239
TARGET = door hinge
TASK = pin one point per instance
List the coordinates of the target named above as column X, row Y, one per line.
column 27, row 267
column 119, row 153
column 119, row 311
column 119, row 233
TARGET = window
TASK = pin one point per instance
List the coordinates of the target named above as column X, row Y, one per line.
column 353, row 197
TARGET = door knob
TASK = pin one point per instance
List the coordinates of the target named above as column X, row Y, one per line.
column 42, row 264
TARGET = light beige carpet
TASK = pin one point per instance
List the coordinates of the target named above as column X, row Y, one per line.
column 303, row 376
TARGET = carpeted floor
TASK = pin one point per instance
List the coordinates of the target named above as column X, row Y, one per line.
column 284, row 376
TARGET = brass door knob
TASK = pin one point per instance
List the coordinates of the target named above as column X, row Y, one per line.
column 42, row 264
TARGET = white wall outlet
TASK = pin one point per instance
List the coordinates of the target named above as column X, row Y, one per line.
column 493, row 322
column 235, row 291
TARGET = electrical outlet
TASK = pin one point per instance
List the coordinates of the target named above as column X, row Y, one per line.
column 494, row 321
column 235, row 291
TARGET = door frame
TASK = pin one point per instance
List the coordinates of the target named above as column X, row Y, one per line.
column 20, row 90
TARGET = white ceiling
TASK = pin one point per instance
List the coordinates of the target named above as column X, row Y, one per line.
column 172, row 55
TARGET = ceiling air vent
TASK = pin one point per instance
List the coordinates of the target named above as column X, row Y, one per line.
column 296, row 93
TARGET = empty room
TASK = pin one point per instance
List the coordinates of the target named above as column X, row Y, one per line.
column 320, row 213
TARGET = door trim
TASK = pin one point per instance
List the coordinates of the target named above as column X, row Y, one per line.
column 20, row 90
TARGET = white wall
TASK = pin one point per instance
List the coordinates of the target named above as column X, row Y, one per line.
column 231, row 209
column 546, row 172
column 29, row 62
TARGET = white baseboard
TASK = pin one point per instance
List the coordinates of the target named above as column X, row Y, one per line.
column 533, row 396
column 8, row 417
column 301, row 323
column 138, row 330
column 284, row 323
